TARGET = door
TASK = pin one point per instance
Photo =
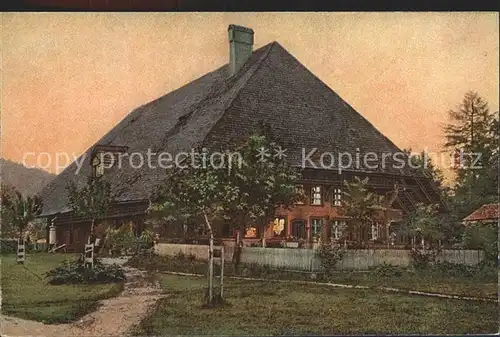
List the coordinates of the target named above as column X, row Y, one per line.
column 299, row 229
column 67, row 237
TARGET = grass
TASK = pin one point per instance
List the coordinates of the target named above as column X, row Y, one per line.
column 272, row 308
column 26, row 296
column 426, row 281
column 442, row 280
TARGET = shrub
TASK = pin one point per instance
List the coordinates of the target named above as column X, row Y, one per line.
column 482, row 236
column 330, row 254
column 275, row 244
column 453, row 269
column 387, row 270
column 184, row 257
column 179, row 263
column 483, row 271
column 8, row 246
column 421, row 259
column 74, row 272
column 120, row 239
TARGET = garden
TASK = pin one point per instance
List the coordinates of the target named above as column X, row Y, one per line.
column 284, row 308
column 54, row 288
column 263, row 301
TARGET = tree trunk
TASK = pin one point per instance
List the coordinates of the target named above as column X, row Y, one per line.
column 21, row 236
column 387, row 235
column 263, row 234
column 91, row 235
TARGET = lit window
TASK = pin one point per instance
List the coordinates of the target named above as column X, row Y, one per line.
column 316, row 225
column 374, row 232
column 279, row 227
column 316, row 195
column 337, row 197
column 338, row 228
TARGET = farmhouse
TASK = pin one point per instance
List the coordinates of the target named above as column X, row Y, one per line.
column 267, row 86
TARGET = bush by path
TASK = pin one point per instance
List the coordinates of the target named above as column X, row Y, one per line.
column 26, row 294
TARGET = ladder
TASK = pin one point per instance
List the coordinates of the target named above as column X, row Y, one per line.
column 21, row 251
column 89, row 256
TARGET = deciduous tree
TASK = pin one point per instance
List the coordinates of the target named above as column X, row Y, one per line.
column 362, row 206
column 91, row 201
column 18, row 212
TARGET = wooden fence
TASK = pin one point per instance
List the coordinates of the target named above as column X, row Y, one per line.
column 306, row 259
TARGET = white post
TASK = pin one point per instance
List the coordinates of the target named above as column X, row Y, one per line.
column 222, row 272
column 211, row 259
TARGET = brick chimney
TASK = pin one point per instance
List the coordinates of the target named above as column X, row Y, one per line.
column 240, row 47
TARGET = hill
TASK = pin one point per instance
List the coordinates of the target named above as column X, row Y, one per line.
column 26, row 180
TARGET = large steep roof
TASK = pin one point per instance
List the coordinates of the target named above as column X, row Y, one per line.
column 272, row 88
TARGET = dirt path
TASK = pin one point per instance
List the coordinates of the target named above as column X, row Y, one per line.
column 115, row 317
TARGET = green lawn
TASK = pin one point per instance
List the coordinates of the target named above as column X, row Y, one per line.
column 26, row 296
column 426, row 282
column 272, row 308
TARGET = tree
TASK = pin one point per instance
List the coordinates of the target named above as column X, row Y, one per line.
column 265, row 182
column 482, row 236
column 244, row 194
column 92, row 201
column 422, row 163
column 424, row 222
column 470, row 129
column 18, row 212
column 194, row 193
column 473, row 132
column 362, row 206
column 7, row 195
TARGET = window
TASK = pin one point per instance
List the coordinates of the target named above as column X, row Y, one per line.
column 279, row 228
column 104, row 157
column 251, row 232
column 374, row 232
column 316, row 196
column 338, row 229
column 316, row 226
column 337, row 197
column 97, row 167
column 300, row 189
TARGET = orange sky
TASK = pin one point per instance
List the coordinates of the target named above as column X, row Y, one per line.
column 67, row 78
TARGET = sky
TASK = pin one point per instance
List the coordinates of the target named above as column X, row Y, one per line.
column 68, row 78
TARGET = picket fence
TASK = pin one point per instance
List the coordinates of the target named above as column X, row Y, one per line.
column 306, row 259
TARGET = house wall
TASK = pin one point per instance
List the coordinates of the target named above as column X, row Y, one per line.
column 74, row 236
column 306, row 260
column 326, row 211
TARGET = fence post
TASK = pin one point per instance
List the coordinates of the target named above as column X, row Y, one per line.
column 89, row 256
column 21, row 251
column 222, row 273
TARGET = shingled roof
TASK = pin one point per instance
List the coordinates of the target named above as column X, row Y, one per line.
column 486, row 212
column 272, row 88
